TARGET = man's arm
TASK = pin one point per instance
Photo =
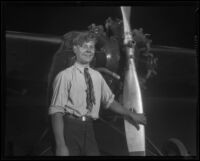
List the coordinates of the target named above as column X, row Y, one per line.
column 107, row 98
column 58, row 129
column 136, row 118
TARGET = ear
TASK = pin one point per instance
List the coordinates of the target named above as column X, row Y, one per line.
column 75, row 49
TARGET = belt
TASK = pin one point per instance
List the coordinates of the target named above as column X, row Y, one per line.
column 81, row 118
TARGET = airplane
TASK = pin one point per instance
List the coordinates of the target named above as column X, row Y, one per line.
column 32, row 62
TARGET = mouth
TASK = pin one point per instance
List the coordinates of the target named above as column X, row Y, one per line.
column 88, row 55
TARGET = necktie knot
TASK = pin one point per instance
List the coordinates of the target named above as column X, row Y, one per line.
column 86, row 70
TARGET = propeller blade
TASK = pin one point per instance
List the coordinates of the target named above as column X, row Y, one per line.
column 126, row 14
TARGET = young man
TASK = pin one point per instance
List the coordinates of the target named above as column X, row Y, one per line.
column 78, row 92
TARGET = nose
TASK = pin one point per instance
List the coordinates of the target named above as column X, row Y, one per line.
column 90, row 48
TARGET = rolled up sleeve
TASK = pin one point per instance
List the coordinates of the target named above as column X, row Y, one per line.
column 60, row 94
column 107, row 97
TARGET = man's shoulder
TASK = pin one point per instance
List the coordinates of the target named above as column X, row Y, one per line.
column 68, row 69
column 66, row 73
column 96, row 72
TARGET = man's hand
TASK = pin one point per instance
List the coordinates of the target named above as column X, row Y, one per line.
column 62, row 151
column 131, row 116
column 136, row 119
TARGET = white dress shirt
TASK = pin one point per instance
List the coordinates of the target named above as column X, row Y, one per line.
column 69, row 92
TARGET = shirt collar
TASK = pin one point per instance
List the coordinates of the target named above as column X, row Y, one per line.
column 81, row 67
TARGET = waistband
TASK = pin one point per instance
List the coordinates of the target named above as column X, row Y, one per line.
column 81, row 118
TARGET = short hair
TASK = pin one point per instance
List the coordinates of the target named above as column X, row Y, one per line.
column 84, row 37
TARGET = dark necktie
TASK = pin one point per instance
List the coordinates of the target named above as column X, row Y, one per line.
column 90, row 98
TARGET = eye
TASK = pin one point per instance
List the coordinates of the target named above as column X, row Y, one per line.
column 92, row 47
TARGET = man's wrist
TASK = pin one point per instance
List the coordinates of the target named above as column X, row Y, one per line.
column 127, row 112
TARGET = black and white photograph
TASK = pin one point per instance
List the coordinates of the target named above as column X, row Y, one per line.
column 100, row 79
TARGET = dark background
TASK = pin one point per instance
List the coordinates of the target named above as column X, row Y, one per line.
column 170, row 100
column 171, row 24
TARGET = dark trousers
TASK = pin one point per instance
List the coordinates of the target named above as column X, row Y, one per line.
column 80, row 137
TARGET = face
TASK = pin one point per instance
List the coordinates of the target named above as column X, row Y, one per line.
column 85, row 52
